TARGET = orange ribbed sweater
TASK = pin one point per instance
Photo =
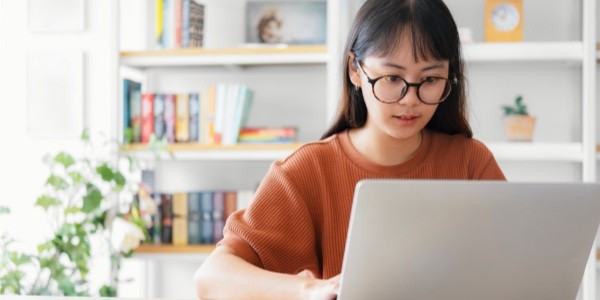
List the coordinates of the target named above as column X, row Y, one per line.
column 299, row 216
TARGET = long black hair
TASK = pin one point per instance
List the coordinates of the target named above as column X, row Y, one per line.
column 377, row 30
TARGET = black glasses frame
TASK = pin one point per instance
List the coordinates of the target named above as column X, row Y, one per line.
column 372, row 81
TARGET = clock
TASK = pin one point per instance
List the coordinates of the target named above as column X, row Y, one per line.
column 504, row 21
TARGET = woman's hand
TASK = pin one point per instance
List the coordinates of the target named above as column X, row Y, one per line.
column 321, row 289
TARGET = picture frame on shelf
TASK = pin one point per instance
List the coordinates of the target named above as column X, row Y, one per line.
column 286, row 22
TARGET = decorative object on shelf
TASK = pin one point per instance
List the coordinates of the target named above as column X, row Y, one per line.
column 290, row 22
column 87, row 200
column 504, row 21
column 518, row 123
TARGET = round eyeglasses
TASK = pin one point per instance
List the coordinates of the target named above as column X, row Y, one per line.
column 392, row 88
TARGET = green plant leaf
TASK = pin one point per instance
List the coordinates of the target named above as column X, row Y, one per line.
column 45, row 246
column 72, row 210
column 46, row 201
column 64, row 159
column 57, row 182
column 92, row 199
column 4, row 210
column 66, row 286
column 76, row 177
column 106, row 172
column 120, row 181
column 107, row 291
column 85, row 135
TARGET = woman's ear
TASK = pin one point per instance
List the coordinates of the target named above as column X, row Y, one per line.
column 353, row 71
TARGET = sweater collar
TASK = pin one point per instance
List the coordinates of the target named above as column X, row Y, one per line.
column 364, row 163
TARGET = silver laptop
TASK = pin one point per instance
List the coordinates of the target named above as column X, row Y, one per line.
column 466, row 240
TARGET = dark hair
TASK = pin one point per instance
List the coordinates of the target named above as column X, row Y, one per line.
column 376, row 30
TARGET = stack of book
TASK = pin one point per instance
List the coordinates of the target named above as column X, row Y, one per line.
column 194, row 217
column 178, row 24
column 213, row 116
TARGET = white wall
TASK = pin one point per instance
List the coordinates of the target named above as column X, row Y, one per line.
column 22, row 173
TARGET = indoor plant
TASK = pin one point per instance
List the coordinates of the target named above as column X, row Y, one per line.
column 88, row 198
column 519, row 125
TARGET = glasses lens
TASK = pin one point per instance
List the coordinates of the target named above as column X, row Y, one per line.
column 434, row 90
column 390, row 89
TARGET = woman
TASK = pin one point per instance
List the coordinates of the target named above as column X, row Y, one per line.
column 402, row 115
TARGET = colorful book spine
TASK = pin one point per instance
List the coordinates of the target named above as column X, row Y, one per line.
column 218, row 215
column 194, row 219
column 166, row 204
column 170, row 116
column 180, row 219
column 206, row 206
column 158, row 23
column 185, row 24
column 230, row 204
column 268, row 135
column 127, row 131
column 167, row 24
column 135, row 111
column 178, row 22
column 182, row 125
column 194, row 117
column 196, row 24
column 159, row 116
column 147, row 116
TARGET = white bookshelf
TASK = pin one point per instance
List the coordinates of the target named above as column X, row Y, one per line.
column 524, row 52
column 549, row 152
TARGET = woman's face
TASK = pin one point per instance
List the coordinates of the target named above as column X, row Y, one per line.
column 405, row 119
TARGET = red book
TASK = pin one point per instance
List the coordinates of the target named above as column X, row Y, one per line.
column 178, row 20
column 147, row 116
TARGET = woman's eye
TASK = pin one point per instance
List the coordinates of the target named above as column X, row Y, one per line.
column 392, row 79
column 430, row 79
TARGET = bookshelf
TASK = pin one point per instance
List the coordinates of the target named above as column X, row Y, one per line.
column 194, row 151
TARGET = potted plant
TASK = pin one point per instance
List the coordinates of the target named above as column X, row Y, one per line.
column 519, row 125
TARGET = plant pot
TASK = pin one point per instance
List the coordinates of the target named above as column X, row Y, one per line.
column 519, row 128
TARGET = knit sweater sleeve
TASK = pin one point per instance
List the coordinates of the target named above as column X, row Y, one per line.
column 276, row 231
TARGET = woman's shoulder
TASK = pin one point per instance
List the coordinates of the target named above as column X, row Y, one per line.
column 312, row 152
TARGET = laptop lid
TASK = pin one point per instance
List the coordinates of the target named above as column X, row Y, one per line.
column 468, row 240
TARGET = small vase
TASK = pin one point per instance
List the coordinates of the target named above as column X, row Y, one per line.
column 519, row 128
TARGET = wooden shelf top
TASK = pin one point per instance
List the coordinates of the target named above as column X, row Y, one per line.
column 172, row 249
column 229, row 51
column 211, row 147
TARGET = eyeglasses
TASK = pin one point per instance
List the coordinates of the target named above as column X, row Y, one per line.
column 393, row 88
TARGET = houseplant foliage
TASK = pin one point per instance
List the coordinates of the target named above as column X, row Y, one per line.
column 519, row 124
column 89, row 200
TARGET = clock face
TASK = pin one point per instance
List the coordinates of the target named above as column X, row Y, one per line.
column 505, row 17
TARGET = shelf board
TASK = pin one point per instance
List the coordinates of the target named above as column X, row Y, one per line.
column 224, row 57
column 173, row 249
column 523, row 151
column 524, row 51
column 194, row 151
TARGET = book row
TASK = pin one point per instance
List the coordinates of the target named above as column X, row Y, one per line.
column 178, row 24
column 194, row 217
column 213, row 116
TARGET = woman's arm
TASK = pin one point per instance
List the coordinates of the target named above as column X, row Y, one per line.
column 224, row 275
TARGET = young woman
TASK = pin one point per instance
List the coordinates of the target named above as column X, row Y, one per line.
column 402, row 115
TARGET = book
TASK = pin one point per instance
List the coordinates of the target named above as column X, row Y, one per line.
column 208, row 136
column 196, row 24
column 135, row 111
column 244, row 198
column 166, row 217
column 185, row 24
column 268, row 135
column 230, row 203
column 231, row 99
column 220, row 107
column 182, row 111
column 218, row 215
column 180, row 219
column 178, row 5
column 147, row 116
column 158, row 23
column 194, row 218
column 206, row 207
column 242, row 110
column 170, row 116
column 159, row 116
column 194, row 122
column 167, row 24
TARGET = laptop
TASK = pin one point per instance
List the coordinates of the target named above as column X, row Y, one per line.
column 466, row 240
